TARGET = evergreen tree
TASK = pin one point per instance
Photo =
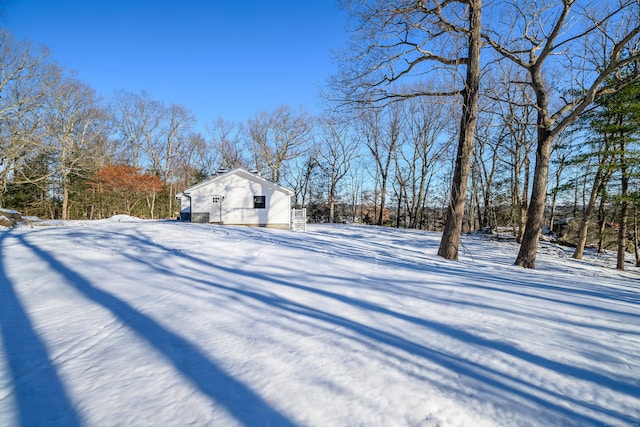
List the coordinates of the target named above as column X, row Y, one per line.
column 617, row 121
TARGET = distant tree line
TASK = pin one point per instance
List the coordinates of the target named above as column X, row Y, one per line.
column 454, row 116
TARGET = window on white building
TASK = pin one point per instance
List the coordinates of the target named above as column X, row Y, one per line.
column 259, row 202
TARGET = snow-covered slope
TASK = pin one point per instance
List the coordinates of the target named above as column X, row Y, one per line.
column 130, row 322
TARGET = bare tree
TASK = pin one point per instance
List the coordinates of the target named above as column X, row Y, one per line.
column 301, row 174
column 175, row 132
column 513, row 104
column 74, row 122
column 137, row 120
column 381, row 130
column 337, row 148
column 278, row 137
column 23, row 71
column 486, row 158
column 568, row 50
column 425, row 143
column 196, row 160
column 227, row 140
column 455, row 214
column 412, row 41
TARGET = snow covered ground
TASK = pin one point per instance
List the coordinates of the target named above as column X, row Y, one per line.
column 124, row 322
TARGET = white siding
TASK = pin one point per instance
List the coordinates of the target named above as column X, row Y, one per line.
column 238, row 189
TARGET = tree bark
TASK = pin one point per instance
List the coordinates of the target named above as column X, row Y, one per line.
column 453, row 225
column 65, row 199
column 535, row 214
column 332, row 201
column 602, row 216
column 635, row 234
column 586, row 218
column 624, row 208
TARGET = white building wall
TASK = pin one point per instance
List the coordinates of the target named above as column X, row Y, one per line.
column 237, row 203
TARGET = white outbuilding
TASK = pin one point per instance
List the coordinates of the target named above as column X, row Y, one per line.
column 237, row 197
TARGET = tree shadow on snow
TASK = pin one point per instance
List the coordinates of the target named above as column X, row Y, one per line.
column 513, row 388
column 486, row 376
column 491, row 380
column 211, row 380
column 40, row 395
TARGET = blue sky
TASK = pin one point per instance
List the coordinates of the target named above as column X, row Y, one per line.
column 220, row 58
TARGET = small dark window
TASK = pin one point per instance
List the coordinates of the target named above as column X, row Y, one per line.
column 259, row 202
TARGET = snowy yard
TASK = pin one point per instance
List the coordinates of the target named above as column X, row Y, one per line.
column 124, row 322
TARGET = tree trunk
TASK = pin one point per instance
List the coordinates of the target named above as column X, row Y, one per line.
column 602, row 216
column 622, row 236
column 332, row 202
column 419, row 204
column 151, row 203
column 624, row 209
column 453, row 225
column 552, row 216
column 524, row 201
column 476, row 196
column 489, row 211
column 635, row 234
column 399, row 207
column 65, row 198
column 535, row 214
column 586, row 217
column 383, row 191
